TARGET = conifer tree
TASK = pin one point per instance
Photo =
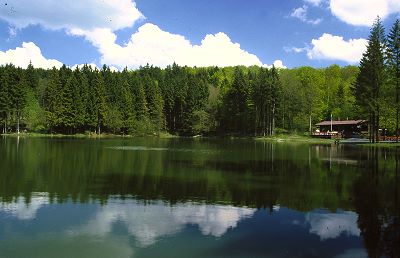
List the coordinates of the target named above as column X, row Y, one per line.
column 127, row 107
column 31, row 76
column 18, row 92
column 99, row 101
column 51, row 100
column 235, row 102
column 372, row 77
column 394, row 67
column 4, row 98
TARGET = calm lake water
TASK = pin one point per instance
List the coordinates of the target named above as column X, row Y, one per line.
column 149, row 197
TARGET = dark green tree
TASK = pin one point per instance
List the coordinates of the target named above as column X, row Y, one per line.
column 18, row 93
column 394, row 67
column 372, row 77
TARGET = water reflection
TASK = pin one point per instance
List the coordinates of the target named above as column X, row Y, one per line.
column 322, row 201
column 129, row 227
column 149, row 222
column 24, row 210
column 332, row 225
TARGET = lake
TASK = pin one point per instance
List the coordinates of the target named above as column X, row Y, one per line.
column 149, row 197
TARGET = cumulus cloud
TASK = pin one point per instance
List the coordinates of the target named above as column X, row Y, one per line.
column 152, row 45
column 66, row 14
column 301, row 14
column 277, row 64
column 98, row 21
column 329, row 47
column 332, row 225
column 363, row 12
column 28, row 52
column 148, row 223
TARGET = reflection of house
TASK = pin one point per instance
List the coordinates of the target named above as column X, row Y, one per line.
column 346, row 128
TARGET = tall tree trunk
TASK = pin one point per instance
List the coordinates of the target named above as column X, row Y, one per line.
column 283, row 117
column 372, row 131
column 18, row 118
column 397, row 110
column 310, row 124
column 273, row 120
column 377, row 125
column 263, row 122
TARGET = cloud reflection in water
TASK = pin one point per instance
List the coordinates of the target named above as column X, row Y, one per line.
column 149, row 222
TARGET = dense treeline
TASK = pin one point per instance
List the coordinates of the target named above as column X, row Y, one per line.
column 377, row 88
column 179, row 100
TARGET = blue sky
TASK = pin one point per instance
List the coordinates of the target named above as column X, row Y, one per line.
column 129, row 33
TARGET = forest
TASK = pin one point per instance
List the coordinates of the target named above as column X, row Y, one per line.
column 190, row 101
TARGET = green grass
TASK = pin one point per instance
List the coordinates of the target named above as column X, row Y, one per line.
column 295, row 138
column 382, row 145
column 81, row 136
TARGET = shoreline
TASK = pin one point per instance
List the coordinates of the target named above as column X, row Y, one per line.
column 279, row 138
column 84, row 136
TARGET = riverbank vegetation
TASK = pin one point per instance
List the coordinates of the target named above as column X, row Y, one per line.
column 186, row 101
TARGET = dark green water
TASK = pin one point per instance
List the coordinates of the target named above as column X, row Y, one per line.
column 196, row 198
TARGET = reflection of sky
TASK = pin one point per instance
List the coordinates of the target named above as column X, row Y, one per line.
column 149, row 222
column 128, row 228
column 332, row 225
column 353, row 253
column 146, row 222
column 23, row 210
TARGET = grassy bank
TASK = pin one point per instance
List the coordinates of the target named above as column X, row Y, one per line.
column 83, row 136
column 383, row 145
column 295, row 138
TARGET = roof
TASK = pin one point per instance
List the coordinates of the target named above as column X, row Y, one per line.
column 344, row 122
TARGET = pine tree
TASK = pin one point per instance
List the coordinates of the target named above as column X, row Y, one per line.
column 4, row 98
column 141, row 103
column 394, row 67
column 99, row 101
column 18, row 93
column 372, row 77
column 72, row 116
column 236, row 103
column 154, row 101
column 127, row 107
column 31, row 76
column 52, row 100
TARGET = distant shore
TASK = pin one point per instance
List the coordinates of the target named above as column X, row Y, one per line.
column 279, row 138
column 83, row 136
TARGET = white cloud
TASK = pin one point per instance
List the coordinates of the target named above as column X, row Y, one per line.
column 152, row 45
column 314, row 2
column 98, row 20
column 66, row 14
column 295, row 49
column 363, row 12
column 80, row 66
column 277, row 64
column 148, row 223
column 29, row 52
column 301, row 14
column 329, row 47
column 332, row 225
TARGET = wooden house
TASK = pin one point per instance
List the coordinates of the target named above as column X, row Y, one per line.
column 345, row 128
